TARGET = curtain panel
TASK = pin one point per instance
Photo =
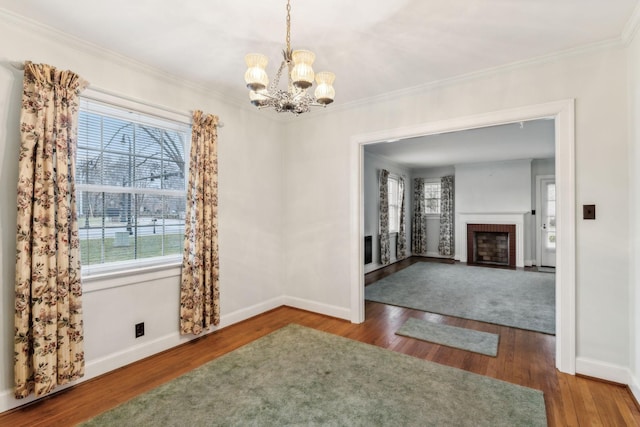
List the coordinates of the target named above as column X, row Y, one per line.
column 49, row 337
column 383, row 218
column 401, row 242
column 446, row 242
column 419, row 223
column 199, row 289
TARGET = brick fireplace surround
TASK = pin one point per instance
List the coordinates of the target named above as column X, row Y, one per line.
column 472, row 229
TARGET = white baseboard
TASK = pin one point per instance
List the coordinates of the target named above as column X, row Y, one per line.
column 634, row 386
column 327, row 310
column 437, row 255
column 604, row 371
column 95, row 368
column 529, row 262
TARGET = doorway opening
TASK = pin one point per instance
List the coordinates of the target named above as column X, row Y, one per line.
column 562, row 112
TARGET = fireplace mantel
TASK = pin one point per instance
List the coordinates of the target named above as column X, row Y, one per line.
column 519, row 219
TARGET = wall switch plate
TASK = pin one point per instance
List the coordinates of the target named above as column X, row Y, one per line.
column 588, row 211
column 139, row 329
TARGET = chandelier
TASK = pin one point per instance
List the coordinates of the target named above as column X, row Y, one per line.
column 300, row 76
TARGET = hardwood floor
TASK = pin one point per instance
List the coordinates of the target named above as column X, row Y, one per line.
column 524, row 357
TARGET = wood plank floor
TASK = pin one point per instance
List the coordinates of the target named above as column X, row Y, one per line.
column 524, row 357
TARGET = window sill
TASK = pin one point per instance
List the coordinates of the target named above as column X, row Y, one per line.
column 129, row 276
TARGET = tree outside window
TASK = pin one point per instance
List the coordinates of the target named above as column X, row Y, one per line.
column 131, row 184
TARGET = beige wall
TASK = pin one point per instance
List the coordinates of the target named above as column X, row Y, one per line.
column 250, row 207
column 318, row 174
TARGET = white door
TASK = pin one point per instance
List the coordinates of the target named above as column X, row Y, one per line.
column 548, row 222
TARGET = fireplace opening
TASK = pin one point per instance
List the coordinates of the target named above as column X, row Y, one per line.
column 491, row 244
column 491, row 248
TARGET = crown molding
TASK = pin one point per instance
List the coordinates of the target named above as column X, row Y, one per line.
column 93, row 49
column 626, row 37
column 631, row 27
column 488, row 72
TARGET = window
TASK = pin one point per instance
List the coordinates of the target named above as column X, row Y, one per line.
column 432, row 197
column 550, row 204
column 131, row 187
column 393, row 185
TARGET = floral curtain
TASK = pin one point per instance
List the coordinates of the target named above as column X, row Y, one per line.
column 446, row 245
column 48, row 292
column 385, row 245
column 401, row 242
column 199, row 290
column 419, row 224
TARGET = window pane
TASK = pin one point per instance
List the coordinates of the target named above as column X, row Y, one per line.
column 432, row 198
column 551, row 240
column 144, row 216
column 551, row 192
column 88, row 166
column 125, row 226
column 393, row 193
column 117, row 169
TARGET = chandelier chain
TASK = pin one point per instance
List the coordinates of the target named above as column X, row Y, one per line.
column 288, row 26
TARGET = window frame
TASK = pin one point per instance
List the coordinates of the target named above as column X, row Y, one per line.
column 396, row 207
column 129, row 109
column 438, row 182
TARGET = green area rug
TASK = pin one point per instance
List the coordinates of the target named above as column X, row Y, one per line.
column 451, row 336
column 516, row 298
column 298, row 376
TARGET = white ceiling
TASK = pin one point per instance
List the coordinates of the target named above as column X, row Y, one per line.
column 528, row 140
column 374, row 47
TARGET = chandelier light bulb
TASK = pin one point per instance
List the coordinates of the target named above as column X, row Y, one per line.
column 302, row 74
column 324, row 91
column 256, row 76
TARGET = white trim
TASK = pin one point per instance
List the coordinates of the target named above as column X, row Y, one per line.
column 634, row 386
column 101, row 279
column 103, row 96
column 631, row 27
column 129, row 355
column 110, row 56
column 356, row 232
column 563, row 112
column 605, row 371
column 316, row 307
column 612, row 43
column 436, row 255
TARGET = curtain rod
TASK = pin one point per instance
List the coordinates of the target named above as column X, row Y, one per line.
column 20, row 66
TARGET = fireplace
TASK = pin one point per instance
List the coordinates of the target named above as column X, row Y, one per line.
column 491, row 244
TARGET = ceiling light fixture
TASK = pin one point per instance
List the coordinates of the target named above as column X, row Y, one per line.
column 300, row 76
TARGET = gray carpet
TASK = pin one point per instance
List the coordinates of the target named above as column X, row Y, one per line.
column 516, row 298
column 451, row 336
column 298, row 376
